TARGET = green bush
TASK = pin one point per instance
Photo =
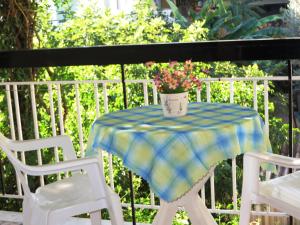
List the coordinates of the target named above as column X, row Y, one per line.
column 144, row 25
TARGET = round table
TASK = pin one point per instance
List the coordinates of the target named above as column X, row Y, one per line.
column 175, row 154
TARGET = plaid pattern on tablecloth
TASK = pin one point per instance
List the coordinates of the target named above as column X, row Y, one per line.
column 172, row 154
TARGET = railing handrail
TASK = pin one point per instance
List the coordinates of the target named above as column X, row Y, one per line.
column 230, row 50
column 206, row 51
column 209, row 79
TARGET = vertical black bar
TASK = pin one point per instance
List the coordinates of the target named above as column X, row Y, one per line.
column 291, row 108
column 2, row 178
column 130, row 173
column 132, row 199
column 124, row 87
column 291, row 112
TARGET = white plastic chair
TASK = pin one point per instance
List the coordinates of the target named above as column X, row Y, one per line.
column 281, row 193
column 55, row 203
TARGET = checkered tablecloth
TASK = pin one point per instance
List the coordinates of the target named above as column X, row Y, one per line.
column 173, row 154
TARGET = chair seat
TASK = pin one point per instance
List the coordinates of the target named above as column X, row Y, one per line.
column 67, row 192
column 285, row 189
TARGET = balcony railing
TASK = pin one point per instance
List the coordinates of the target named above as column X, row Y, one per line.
column 99, row 91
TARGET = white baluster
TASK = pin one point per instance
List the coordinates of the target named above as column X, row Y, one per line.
column 19, row 124
column 36, row 128
column 255, row 95
column 145, row 88
column 12, row 129
column 53, row 126
column 77, row 96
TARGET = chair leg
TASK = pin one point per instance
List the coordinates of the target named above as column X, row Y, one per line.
column 198, row 212
column 250, row 187
column 165, row 214
column 27, row 213
column 245, row 210
column 95, row 217
column 115, row 209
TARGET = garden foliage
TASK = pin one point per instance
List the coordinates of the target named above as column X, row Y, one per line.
column 233, row 20
column 144, row 25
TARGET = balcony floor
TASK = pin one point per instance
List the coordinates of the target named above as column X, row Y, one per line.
column 15, row 218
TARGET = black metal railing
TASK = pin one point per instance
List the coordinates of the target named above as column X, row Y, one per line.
column 263, row 49
column 234, row 50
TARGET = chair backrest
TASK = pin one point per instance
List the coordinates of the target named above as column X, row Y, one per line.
column 7, row 145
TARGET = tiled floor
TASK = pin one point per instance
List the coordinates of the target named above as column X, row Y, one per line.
column 14, row 218
column 8, row 223
column 75, row 222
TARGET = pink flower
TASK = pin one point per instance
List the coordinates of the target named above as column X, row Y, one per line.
column 172, row 64
column 198, row 84
column 182, row 74
column 193, row 77
column 188, row 65
column 167, row 77
column 173, row 84
column 175, row 79
column 186, row 85
column 157, row 81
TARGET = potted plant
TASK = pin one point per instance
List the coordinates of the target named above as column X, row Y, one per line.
column 173, row 83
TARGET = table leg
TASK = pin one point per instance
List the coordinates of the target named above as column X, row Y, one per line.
column 96, row 218
column 191, row 202
column 165, row 214
column 198, row 212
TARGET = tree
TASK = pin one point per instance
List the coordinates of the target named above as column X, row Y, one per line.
column 229, row 21
column 17, row 22
column 103, row 28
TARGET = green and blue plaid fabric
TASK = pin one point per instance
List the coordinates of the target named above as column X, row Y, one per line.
column 173, row 154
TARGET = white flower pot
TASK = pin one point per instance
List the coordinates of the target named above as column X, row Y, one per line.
column 174, row 105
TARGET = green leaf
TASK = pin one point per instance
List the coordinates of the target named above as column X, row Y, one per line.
column 224, row 21
column 178, row 16
column 243, row 29
column 221, row 7
column 268, row 19
column 268, row 32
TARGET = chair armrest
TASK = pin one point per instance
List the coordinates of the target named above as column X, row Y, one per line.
column 69, row 165
column 276, row 159
column 62, row 141
column 90, row 165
